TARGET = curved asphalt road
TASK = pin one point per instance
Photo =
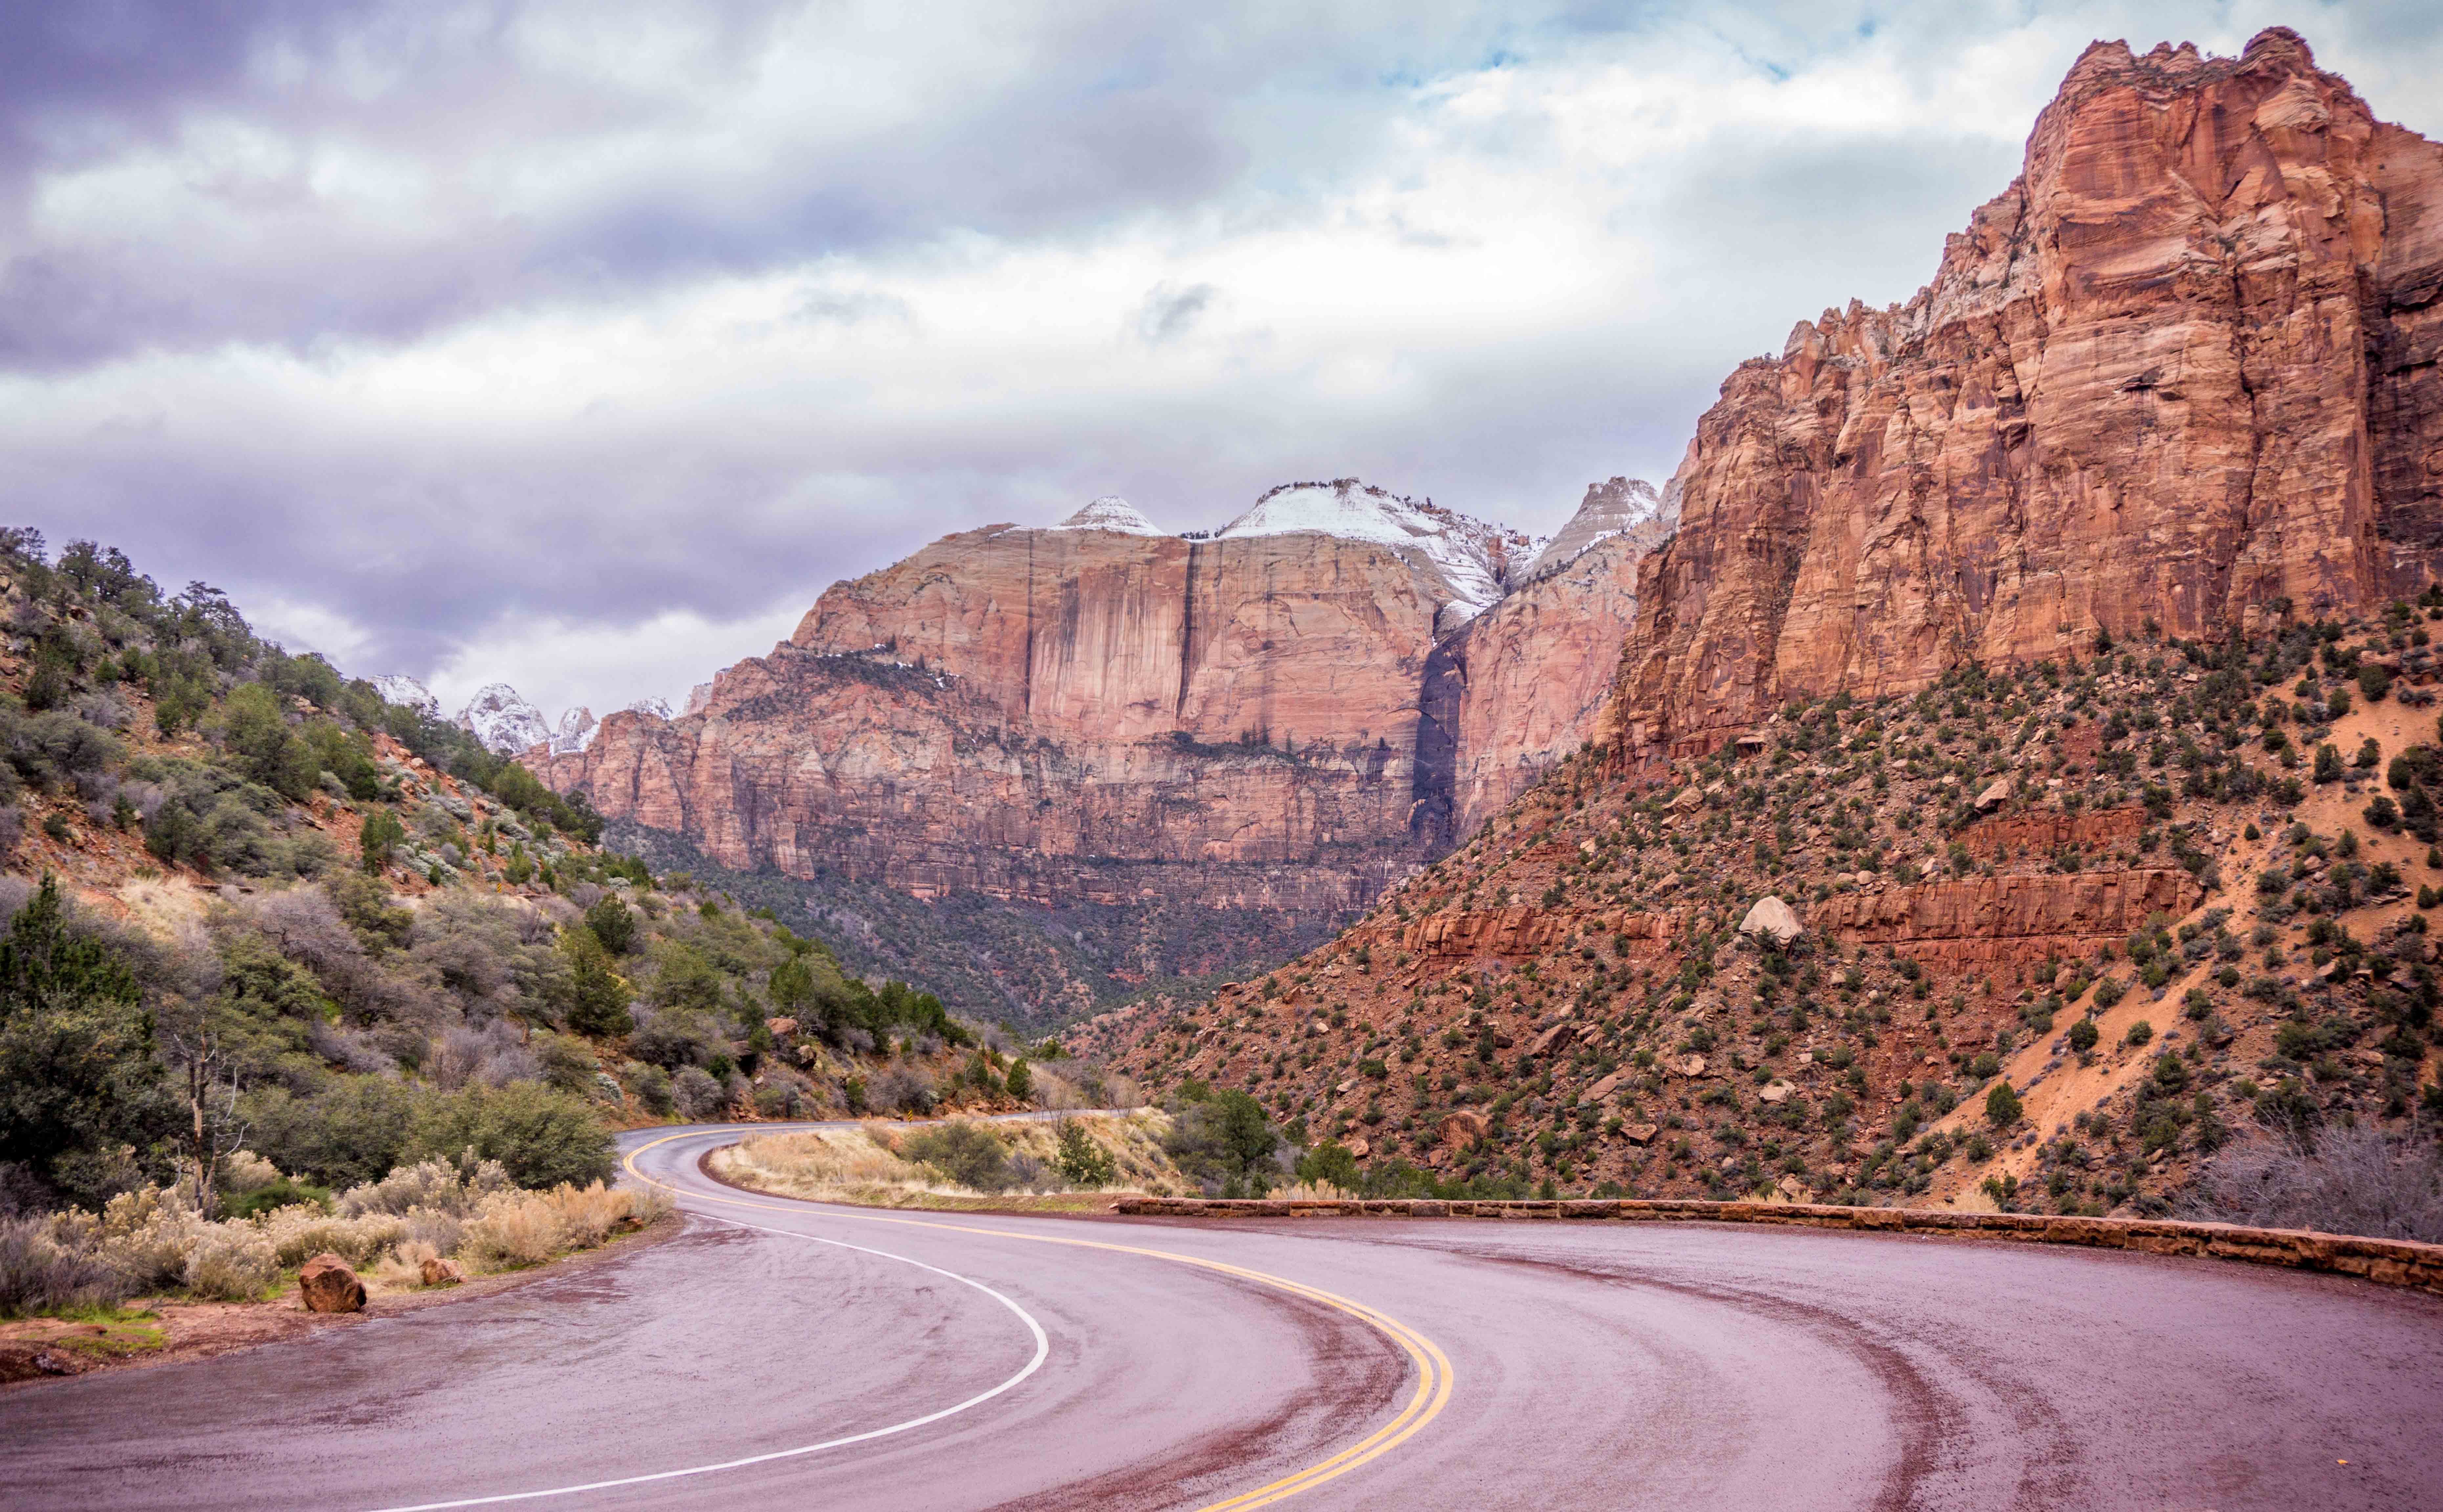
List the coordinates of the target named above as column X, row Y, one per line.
column 1329, row 1363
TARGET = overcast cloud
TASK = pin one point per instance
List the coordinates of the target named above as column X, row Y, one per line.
column 583, row 344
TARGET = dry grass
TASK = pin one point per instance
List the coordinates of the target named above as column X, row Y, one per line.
column 864, row 1165
column 518, row 1229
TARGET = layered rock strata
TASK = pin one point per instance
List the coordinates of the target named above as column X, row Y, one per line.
column 1282, row 714
column 2183, row 371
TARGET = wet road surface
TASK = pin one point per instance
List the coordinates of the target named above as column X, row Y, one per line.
column 841, row 1359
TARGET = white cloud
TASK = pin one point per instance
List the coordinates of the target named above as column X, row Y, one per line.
column 534, row 353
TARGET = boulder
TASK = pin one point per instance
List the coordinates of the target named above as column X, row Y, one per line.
column 1638, row 1133
column 1995, row 796
column 440, row 1272
column 1773, row 916
column 1775, row 1090
column 1689, row 1066
column 327, row 1285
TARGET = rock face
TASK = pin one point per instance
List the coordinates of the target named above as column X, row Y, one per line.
column 1281, row 715
column 1524, row 684
column 2183, row 370
column 327, row 1285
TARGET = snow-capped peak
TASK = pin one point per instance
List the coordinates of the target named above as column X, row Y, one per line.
column 504, row 720
column 1112, row 513
column 408, row 694
column 1609, row 509
column 652, row 708
column 1467, row 556
column 575, row 731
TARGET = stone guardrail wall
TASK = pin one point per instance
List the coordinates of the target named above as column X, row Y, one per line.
column 2391, row 1262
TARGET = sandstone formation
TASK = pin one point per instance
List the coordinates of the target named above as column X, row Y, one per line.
column 1282, row 714
column 2183, row 371
column 327, row 1285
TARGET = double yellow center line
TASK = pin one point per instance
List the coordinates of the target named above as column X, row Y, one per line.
column 1433, row 1367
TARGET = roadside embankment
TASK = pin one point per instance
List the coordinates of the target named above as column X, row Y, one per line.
column 2391, row 1262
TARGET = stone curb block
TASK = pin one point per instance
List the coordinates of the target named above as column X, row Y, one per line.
column 2389, row 1262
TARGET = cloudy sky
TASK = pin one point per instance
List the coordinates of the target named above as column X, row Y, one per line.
column 583, row 344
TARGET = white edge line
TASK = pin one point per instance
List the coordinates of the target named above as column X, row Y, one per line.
column 1043, row 1350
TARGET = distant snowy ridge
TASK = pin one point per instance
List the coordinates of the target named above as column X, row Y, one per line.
column 1611, row 508
column 1110, row 512
column 408, row 694
column 1467, row 557
column 652, row 709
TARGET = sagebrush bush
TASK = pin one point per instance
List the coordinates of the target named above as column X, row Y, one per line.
column 41, row 1273
column 435, row 1185
column 230, row 1261
column 299, row 1234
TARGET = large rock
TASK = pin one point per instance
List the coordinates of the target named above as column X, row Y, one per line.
column 2182, row 370
column 327, row 1285
column 1770, row 915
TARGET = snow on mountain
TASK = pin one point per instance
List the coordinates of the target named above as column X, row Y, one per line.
column 1112, row 513
column 1468, row 557
column 504, row 720
column 1609, row 509
column 697, row 698
column 575, row 730
column 652, row 709
column 408, row 693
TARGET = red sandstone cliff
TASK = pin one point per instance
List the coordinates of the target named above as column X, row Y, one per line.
column 2182, row 370
column 1280, row 716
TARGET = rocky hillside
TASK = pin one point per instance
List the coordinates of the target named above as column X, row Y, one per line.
column 2019, row 774
column 1272, row 721
column 2183, row 372
column 2146, row 897
column 246, row 900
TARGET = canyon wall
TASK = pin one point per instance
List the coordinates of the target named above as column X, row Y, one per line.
column 1283, row 714
column 2183, row 370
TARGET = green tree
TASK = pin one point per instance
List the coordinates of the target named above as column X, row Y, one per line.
column 613, row 924
column 543, row 1136
column 379, row 837
column 2002, row 1105
column 256, row 733
column 597, row 1005
column 1082, row 1162
column 1021, row 1080
column 82, row 1097
column 1330, row 1163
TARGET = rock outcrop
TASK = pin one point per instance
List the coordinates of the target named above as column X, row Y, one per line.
column 1284, row 714
column 2183, row 371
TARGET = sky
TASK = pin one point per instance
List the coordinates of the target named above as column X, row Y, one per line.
column 582, row 345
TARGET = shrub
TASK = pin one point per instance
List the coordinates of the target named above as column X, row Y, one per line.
column 2353, row 1179
column 2110, row 990
column 435, row 1186
column 232, row 1261
column 2138, row 1033
column 969, row 1154
column 2083, row 1035
column 696, row 1094
column 2002, row 1106
column 543, row 1137
column 1021, row 1080
column 41, row 1273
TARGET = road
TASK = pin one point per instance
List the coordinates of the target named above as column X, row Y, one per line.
column 841, row 1359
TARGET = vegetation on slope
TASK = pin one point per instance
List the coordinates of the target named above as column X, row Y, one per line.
column 262, row 919
column 1982, row 1007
